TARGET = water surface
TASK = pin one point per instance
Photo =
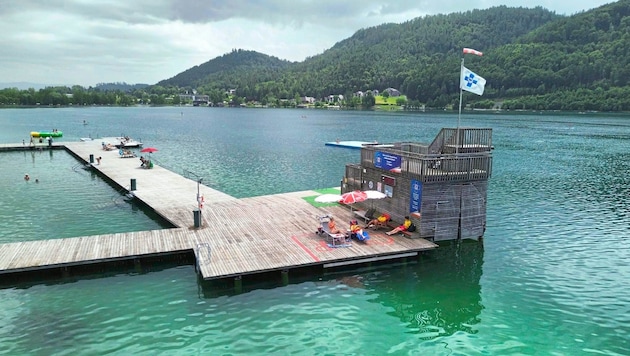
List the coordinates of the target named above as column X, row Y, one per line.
column 549, row 277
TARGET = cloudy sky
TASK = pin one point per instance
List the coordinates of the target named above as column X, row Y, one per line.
column 86, row 42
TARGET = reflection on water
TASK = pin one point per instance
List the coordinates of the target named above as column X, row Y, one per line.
column 440, row 295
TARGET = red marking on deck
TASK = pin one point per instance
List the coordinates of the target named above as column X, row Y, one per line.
column 306, row 249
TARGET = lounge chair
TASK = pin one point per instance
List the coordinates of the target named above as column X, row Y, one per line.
column 381, row 224
column 126, row 153
column 365, row 215
column 334, row 240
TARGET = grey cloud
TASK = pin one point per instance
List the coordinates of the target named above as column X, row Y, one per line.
column 90, row 41
column 338, row 13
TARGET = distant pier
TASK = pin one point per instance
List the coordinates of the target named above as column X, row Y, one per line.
column 233, row 237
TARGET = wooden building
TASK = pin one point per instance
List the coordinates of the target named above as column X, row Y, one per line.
column 442, row 186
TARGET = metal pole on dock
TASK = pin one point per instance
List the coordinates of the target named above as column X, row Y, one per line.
column 197, row 212
column 200, row 201
column 459, row 116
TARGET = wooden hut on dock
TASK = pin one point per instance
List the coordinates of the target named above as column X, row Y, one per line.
column 442, row 186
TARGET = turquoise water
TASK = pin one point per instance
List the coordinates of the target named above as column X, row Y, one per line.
column 65, row 201
column 549, row 278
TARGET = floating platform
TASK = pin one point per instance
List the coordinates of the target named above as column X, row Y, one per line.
column 46, row 134
column 353, row 144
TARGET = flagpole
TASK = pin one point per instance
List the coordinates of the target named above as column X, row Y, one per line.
column 459, row 116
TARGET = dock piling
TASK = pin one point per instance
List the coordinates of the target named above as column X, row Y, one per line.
column 238, row 284
column 197, row 217
column 285, row 277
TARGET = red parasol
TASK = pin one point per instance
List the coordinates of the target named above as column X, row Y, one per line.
column 353, row 197
column 149, row 149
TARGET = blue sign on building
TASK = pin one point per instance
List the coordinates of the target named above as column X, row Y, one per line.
column 388, row 161
column 416, row 196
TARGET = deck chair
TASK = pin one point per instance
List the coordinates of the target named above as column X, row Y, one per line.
column 365, row 215
column 382, row 224
column 334, row 240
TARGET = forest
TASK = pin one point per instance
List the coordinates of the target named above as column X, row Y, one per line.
column 533, row 59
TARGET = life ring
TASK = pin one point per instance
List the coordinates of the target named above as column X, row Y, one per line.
column 201, row 201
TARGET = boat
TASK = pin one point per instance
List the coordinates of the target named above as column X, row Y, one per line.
column 355, row 144
column 46, row 133
column 130, row 143
column 123, row 142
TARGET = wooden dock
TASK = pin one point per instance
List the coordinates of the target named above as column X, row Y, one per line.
column 237, row 236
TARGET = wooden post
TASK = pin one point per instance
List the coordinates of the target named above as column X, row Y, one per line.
column 65, row 273
column 285, row 277
column 238, row 284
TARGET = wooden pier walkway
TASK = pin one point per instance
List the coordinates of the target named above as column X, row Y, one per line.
column 237, row 236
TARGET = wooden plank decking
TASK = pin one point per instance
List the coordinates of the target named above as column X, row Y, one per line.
column 237, row 236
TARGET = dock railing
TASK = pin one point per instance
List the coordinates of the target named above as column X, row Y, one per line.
column 444, row 159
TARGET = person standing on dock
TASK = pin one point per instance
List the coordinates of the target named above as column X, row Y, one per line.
column 98, row 160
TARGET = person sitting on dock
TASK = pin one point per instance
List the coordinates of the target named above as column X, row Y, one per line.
column 357, row 232
column 332, row 226
column 380, row 221
column 400, row 228
column 355, row 228
column 144, row 161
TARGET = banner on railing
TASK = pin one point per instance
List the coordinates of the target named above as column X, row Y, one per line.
column 387, row 161
column 415, row 202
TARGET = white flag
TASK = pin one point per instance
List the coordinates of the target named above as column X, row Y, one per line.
column 471, row 82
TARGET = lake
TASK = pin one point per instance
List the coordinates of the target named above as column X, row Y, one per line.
column 549, row 277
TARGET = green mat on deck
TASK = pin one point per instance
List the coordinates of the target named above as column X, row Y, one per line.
column 311, row 199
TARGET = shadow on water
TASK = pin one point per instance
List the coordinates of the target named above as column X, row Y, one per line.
column 436, row 294
column 73, row 274
column 439, row 296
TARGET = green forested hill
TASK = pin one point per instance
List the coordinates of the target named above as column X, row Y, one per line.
column 420, row 57
column 533, row 59
column 260, row 67
column 579, row 62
